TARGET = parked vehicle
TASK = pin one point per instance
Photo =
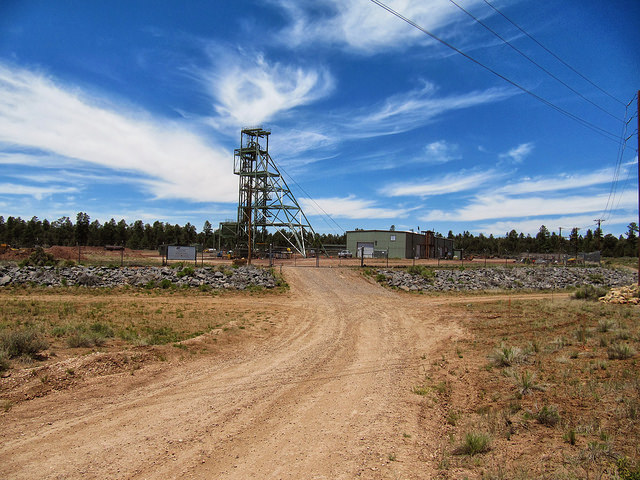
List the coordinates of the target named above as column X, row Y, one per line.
column 344, row 254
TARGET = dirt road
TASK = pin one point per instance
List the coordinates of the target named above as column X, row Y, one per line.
column 327, row 396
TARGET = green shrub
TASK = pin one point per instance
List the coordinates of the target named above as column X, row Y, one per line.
column 475, row 442
column 590, row 292
column 161, row 336
column 425, row 272
column 605, row 325
column 627, row 470
column 381, row 278
column 22, row 342
column 596, row 278
column 504, row 356
column 582, row 334
column 526, row 382
column 186, row 272
column 548, row 416
column 39, row 258
column 420, row 390
column 79, row 339
column 570, row 436
column 620, row 351
column 4, row 361
column 166, row 283
column 101, row 329
column 368, row 272
column 59, row 330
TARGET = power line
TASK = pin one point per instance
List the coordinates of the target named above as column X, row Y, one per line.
column 507, row 42
column 608, row 209
column 585, row 123
column 314, row 202
column 552, row 54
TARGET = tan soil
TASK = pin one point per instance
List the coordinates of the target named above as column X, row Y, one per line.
column 324, row 394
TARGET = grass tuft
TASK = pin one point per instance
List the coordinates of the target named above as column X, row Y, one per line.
column 4, row 361
column 620, row 351
column 22, row 342
column 504, row 356
column 475, row 443
column 590, row 292
column 526, row 382
column 548, row 416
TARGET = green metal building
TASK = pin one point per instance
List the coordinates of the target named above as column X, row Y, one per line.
column 399, row 244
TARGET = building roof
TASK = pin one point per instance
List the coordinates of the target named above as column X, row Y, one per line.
column 386, row 231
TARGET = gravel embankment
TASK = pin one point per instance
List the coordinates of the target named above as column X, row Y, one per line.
column 508, row 278
column 233, row 278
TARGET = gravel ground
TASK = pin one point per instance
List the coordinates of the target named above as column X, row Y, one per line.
column 235, row 278
column 539, row 278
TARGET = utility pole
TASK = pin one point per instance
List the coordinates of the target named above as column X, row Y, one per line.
column 599, row 221
column 560, row 245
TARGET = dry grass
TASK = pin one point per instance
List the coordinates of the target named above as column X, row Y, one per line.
column 555, row 384
column 74, row 321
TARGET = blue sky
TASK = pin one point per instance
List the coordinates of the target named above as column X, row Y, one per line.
column 132, row 110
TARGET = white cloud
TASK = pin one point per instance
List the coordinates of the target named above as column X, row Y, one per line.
column 250, row 90
column 440, row 152
column 364, row 27
column 290, row 146
column 37, row 113
column 350, row 207
column 37, row 192
column 519, row 153
column 450, row 183
column 495, row 206
column 559, row 183
column 408, row 110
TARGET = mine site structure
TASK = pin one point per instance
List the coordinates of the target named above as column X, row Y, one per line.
column 265, row 200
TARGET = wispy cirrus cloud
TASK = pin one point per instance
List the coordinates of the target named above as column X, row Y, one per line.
column 36, row 112
column 362, row 26
column 249, row 90
column 408, row 110
column 37, row 192
column 559, row 183
column 487, row 206
column 450, row 183
column 519, row 153
column 351, row 207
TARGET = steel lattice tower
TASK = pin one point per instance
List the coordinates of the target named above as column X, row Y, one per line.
column 265, row 200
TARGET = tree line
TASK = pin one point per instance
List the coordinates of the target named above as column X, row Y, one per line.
column 136, row 235
column 139, row 235
column 514, row 243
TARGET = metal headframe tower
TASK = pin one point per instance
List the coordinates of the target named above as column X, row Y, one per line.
column 265, row 200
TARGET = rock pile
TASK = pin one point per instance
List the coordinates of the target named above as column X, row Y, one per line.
column 628, row 294
column 506, row 278
column 233, row 278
